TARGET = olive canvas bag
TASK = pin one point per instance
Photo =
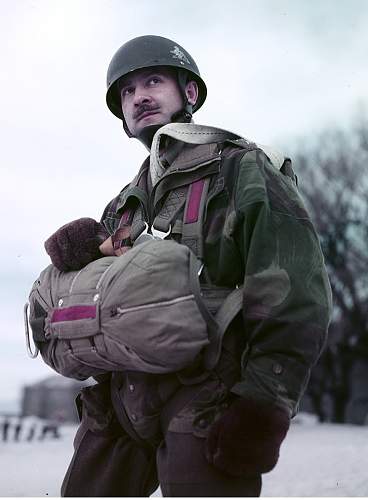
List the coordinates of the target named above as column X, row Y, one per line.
column 133, row 312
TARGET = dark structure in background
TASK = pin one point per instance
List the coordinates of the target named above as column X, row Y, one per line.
column 334, row 182
column 52, row 399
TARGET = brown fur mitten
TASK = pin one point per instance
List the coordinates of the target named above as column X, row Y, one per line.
column 76, row 244
column 246, row 440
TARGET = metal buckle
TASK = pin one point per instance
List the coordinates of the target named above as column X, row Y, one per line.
column 160, row 235
column 30, row 353
column 200, row 270
column 143, row 236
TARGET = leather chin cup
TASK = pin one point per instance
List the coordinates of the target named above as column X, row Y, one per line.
column 182, row 116
column 146, row 134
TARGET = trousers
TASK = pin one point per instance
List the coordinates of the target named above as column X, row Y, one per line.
column 108, row 461
column 151, row 431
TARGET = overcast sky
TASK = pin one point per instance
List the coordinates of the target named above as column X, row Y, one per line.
column 276, row 70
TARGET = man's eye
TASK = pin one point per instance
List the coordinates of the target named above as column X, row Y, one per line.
column 153, row 80
column 127, row 91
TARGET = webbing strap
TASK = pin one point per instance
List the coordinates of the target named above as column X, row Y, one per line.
column 173, row 203
column 218, row 323
column 194, row 271
column 131, row 225
column 121, row 236
column 138, row 223
column 192, row 230
column 230, row 307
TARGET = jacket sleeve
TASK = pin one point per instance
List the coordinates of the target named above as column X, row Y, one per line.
column 110, row 217
column 287, row 297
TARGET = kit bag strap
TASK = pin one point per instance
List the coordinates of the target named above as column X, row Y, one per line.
column 218, row 323
column 228, row 310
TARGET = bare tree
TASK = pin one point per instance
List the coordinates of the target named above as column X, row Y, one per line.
column 334, row 171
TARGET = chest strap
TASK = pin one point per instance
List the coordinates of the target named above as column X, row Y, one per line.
column 132, row 223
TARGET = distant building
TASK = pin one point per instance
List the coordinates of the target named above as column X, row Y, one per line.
column 52, row 399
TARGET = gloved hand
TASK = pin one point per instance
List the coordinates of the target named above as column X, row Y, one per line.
column 246, row 440
column 76, row 244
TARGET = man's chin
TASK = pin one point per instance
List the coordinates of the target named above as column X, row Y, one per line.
column 158, row 121
column 145, row 135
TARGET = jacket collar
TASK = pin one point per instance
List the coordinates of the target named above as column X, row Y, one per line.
column 177, row 157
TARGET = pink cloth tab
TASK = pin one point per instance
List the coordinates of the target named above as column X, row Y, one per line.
column 73, row 313
column 196, row 190
column 125, row 217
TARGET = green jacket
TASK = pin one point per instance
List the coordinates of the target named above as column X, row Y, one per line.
column 257, row 233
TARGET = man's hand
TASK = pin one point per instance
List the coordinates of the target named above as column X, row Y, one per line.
column 118, row 243
column 106, row 248
column 246, row 440
column 76, row 244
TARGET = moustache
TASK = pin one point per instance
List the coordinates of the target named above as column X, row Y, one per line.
column 143, row 109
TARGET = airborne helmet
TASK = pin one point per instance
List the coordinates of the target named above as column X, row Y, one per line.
column 150, row 51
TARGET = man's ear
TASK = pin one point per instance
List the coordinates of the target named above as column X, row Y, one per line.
column 191, row 91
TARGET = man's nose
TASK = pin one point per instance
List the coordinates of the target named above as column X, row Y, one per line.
column 141, row 98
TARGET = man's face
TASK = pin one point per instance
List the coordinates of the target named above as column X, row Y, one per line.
column 149, row 97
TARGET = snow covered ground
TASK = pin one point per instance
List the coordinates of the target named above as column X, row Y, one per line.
column 316, row 460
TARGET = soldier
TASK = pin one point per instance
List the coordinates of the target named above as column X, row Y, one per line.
column 200, row 432
column 6, row 424
column 18, row 429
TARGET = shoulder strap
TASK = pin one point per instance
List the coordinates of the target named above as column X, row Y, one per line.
column 194, row 213
column 191, row 228
column 171, row 207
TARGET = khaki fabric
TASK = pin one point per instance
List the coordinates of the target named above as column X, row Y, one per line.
column 141, row 306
